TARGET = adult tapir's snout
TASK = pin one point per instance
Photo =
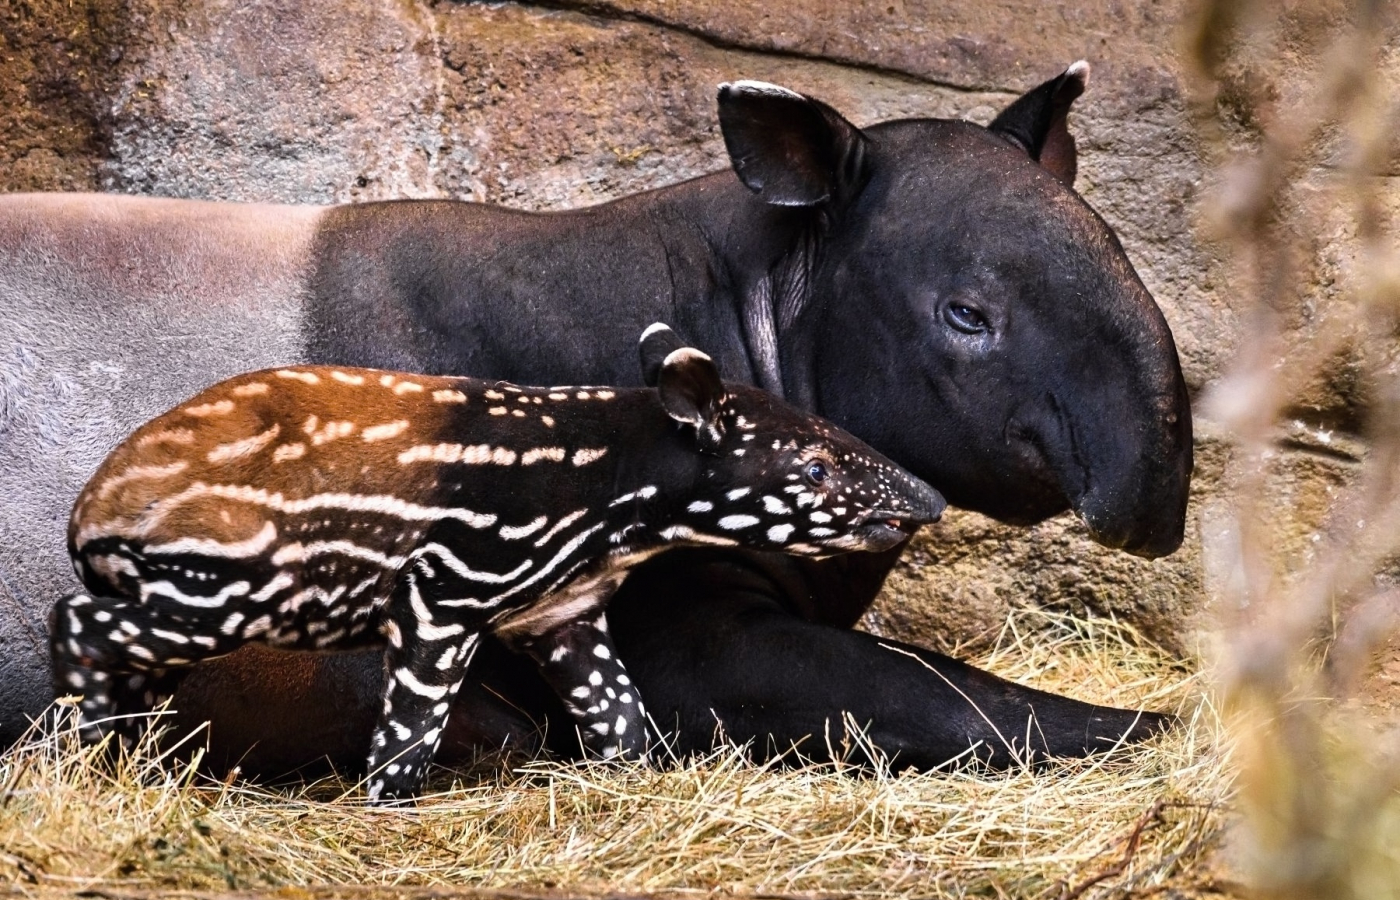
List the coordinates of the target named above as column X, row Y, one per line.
column 1113, row 428
column 1137, row 501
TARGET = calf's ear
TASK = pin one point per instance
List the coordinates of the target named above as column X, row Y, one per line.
column 789, row 149
column 1038, row 122
column 691, row 392
column 656, row 344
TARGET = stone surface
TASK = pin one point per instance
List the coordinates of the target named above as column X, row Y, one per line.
column 330, row 101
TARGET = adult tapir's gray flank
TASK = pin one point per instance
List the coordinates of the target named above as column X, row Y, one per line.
column 314, row 508
column 935, row 287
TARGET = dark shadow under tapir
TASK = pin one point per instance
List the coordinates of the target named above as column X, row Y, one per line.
column 935, row 287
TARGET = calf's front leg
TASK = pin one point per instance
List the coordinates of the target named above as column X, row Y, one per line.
column 578, row 660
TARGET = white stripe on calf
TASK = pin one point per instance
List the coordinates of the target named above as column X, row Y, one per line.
column 516, row 532
column 407, row 679
column 382, row 504
column 559, row 526
column 224, row 550
column 300, row 552
column 462, row 570
column 171, row 592
column 246, row 447
column 140, row 473
column 564, row 552
column 275, row 583
column 467, row 454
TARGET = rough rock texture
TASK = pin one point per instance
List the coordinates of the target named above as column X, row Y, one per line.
column 579, row 102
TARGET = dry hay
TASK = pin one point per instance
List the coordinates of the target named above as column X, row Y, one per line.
column 1135, row 820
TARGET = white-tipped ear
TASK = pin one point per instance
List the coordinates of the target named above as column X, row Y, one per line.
column 655, row 345
column 789, row 149
column 1038, row 122
column 692, row 392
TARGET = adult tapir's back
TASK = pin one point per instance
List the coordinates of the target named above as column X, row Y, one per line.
column 926, row 284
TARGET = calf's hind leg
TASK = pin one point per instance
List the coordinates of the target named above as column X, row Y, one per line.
column 116, row 654
column 424, row 664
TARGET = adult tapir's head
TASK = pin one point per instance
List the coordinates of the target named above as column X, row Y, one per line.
column 969, row 315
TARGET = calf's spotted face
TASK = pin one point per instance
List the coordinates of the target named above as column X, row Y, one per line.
column 316, row 508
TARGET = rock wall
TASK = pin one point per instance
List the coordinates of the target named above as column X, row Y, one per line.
column 571, row 103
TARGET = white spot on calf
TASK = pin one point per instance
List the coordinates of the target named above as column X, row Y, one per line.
column 737, row 493
column 780, row 533
column 408, row 387
column 449, row 396
column 289, row 451
column 588, row 455
column 384, row 432
column 303, row 377
column 776, row 507
column 700, row 506
column 332, row 431
column 552, row 454
column 167, row 436
column 346, row 378
column 252, row 389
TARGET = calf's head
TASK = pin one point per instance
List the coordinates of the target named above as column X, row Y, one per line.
column 768, row 475
column 969, row 314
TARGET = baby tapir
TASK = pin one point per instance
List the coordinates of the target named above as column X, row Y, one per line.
column 314, row 508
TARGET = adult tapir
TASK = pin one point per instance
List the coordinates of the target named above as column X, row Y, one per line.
column 936, row 287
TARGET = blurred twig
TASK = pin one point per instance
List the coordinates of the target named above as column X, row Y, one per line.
column 1317, row 793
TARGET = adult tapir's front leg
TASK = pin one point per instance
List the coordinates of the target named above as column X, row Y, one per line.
column 578, row 659
column 709, row 644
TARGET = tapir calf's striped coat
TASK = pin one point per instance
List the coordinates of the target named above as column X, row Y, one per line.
column 314, row 508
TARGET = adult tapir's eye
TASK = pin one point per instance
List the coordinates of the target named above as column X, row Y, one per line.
column 816, row 472
column 964, row 318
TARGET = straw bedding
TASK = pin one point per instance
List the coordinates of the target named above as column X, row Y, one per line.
column 1144, row 821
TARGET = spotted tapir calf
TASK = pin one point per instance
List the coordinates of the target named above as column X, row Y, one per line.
column 315, row 508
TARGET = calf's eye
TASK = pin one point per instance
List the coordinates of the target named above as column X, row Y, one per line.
column 816, row 472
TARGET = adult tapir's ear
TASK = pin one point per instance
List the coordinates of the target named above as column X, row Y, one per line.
column 656, row 344
column 789, row 149
column 691, row 392
column 1038, row 122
